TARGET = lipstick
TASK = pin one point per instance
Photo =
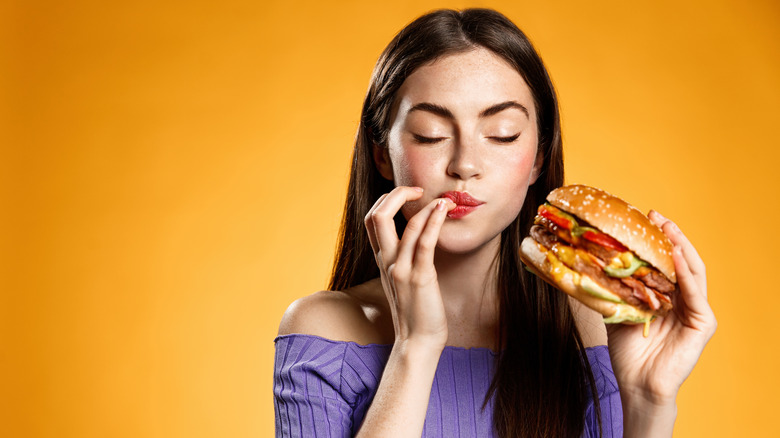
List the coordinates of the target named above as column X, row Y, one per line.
column 465, row 204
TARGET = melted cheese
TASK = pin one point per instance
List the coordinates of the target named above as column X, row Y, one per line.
column 565, row 257
column 560, row 270
column 627, row 258
column 624, row 313
column 565, row 254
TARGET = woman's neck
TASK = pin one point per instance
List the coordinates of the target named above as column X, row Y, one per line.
column 468, row 288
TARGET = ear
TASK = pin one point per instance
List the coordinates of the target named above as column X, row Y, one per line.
column 537, row 170
column 382, row 162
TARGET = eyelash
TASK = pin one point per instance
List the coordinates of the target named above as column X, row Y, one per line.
column 427, row 140
column 432, row 140
column 506, row 139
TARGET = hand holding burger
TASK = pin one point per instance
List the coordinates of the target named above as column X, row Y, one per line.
column 584, row 244
column 604, row 252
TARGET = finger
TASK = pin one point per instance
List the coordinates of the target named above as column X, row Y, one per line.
column 382, row 219
column 414, row 229
column 674, row 234
column 677, row 238
column 657, row 218
column 692, row 258
column 694, row 296
column 370, row 224
column 426, row 244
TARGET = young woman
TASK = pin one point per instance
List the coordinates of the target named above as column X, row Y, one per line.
column 432, row 327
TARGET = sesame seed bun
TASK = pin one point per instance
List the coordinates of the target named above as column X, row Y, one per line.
column 619, row 219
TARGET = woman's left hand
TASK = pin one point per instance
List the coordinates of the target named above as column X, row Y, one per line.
column 650, row 370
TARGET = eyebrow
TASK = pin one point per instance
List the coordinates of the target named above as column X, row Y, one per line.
column 487, row 112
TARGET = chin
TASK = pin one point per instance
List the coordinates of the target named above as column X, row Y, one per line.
column 463, row 243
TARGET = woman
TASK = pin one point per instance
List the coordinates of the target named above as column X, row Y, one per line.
column 432, row 326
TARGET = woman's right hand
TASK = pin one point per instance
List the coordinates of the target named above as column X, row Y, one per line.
column 406, row 265
column 411, row 286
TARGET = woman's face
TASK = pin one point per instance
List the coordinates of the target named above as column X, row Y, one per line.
column 465, row 123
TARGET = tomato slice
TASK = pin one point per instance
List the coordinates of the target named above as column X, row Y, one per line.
column 557, row 220
column 604, row 240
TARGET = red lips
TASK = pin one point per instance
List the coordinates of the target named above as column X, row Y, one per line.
column 465, row 204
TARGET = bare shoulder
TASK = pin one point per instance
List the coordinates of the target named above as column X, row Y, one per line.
column 590, row 324
column 357, row 314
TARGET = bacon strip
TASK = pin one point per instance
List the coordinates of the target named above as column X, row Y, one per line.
column 591, row 259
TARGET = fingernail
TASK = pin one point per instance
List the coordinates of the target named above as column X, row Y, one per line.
column 441, row 205
column 419, row 189
column 657, row 214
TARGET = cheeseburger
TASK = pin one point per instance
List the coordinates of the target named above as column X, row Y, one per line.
column 603, row 252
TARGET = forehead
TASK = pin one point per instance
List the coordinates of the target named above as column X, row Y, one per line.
column 465, row 82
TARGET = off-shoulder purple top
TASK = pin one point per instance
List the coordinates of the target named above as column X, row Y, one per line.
column 323, row 388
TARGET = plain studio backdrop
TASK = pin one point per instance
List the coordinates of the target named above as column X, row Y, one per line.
column 173, row 173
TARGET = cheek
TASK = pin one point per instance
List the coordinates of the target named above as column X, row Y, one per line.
column 412, row 168
column 518, row 169
column 516, row 175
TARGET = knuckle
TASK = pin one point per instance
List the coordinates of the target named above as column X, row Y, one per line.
column 398, row 273
column 377, row 216
column 424, row 245
column 420, row 280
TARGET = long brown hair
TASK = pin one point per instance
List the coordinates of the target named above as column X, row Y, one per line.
column 542, row 378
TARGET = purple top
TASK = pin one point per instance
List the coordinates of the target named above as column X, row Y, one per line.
column 324, row 388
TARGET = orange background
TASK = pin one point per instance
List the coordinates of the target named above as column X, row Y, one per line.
column 172, row 175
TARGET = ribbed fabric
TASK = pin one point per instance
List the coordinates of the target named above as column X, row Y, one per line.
column 323, row 388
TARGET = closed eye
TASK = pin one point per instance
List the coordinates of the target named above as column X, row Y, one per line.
column 427, row 140
column 509, row 139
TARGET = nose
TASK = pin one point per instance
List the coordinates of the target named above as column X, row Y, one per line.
column 466, row 161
